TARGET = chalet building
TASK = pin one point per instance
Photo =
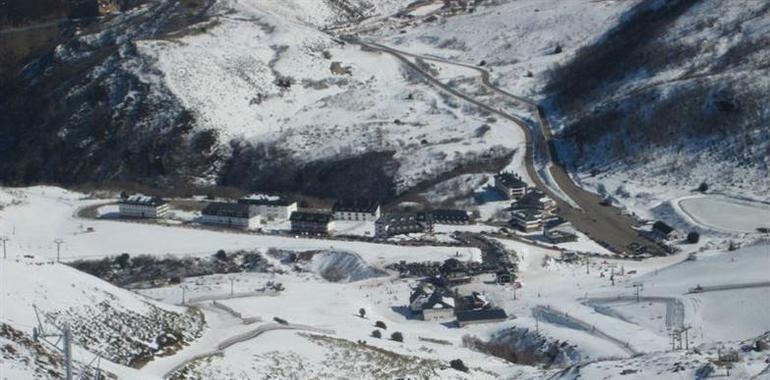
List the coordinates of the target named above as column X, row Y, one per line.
column 237, row 215
column 535, row 200
column 438, row 308
column 403, row 223
column 431, row 303
column 510, row 185
column 142, row 206
column 270, row 207
column 469, row 317
column 527, row 220
column 312, row 222
column 449, row 216
column 664, row 231
column 356, row 210
column 559, row 236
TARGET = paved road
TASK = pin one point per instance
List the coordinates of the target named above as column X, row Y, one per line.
column 605, row 224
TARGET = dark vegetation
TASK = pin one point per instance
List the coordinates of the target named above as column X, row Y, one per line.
column 271, row 169
column 59, row 118
column 722, row 113
column 126, row 270
column 458, row 365
column 522, row 346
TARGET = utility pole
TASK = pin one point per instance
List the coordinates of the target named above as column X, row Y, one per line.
column 4, row 239
column 58, row 243
column 232, row 280
column 638, row 286
column 67, row 352
column 65, row 336
column 588, row 262
column 686, row 337
column 183, row 290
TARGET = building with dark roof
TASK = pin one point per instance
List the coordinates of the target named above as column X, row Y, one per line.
column 237, row 215
column 271, row 207
column 559, row 236
column 527, row 220
column 510, row 185
column 469, row 317
column 403, row 223
column 431, row 303
column 356, row 210
column 450, row 216
column 535, row 199
column 142, row 206
column 312, row 222
column 664, row 231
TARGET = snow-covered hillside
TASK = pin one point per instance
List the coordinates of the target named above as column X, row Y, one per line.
column 669, row 99
column 118, row 325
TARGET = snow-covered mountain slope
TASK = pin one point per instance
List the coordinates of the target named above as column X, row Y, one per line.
column 517, row 40
column 172, row 94
column 120, row 326
column 671, row 97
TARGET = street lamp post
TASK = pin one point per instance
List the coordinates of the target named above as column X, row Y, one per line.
column 58, row 242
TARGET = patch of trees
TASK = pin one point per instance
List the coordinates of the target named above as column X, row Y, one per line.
column 125, row 270
column 397, row 336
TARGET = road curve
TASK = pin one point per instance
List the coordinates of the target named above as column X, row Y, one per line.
column 605, row 224
column 227, row 343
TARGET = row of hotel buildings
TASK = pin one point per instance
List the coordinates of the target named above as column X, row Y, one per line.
column 251, row 212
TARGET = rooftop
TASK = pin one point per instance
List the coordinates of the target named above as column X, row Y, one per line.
column 450, row 214
column 264, row 199
column 311, row 217
column 481, row 315
column 230, row 210
column 510, row 180
column 355, row 205
column 143, row 200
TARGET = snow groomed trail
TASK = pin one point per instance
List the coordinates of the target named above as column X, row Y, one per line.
column 551, row 315
column 227, row 343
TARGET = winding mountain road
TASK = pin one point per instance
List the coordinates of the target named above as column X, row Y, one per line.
column 605, row 224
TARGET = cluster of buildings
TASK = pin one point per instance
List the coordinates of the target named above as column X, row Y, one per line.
column 530, row 208
column 429, row 302
column 251, row 213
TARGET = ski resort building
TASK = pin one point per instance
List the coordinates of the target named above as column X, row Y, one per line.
column 559, row 236
column 527, row 220
column 312, row 222
column 665, row 232
column 270, row 207
column 449, row 216
column 469, row 317
column 431, row 303
column 510, row 185
column 236, row 215
column 403, row 223
column 356, row 210
column 142, row 206
column 535, row 199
